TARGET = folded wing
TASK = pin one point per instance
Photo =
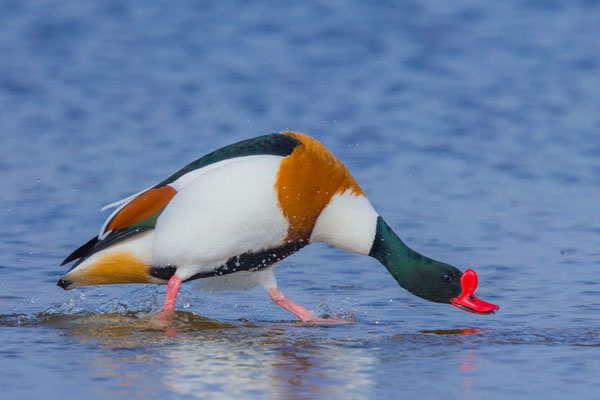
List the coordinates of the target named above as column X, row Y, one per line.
column 139, row 213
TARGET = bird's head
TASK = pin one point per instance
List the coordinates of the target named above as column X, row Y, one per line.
column 427, row 278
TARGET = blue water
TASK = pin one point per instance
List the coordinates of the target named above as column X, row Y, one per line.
column 472, row 126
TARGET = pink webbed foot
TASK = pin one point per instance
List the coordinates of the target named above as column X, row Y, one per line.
column 304, row 315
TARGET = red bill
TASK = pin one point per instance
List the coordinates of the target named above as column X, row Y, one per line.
column 467, row 300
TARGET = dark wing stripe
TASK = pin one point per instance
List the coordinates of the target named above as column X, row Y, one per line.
column 275, row 144
column 243, row 262
column 81, row 251
column 94, row 245
column 112, row 238
column 253, row 261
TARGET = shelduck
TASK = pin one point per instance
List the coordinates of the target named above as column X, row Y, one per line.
column 232, row 216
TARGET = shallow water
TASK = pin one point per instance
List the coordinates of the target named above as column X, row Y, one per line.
column 473, row 128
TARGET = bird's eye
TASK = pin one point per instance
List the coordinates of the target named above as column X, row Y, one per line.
column 447, row 277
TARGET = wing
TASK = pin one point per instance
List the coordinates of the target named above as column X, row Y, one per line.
column 139, row 213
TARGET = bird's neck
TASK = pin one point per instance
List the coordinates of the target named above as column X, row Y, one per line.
column 412, row 270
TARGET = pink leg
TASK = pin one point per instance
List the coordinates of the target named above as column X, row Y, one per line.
column 302, row 313
column 281, row 300
column 171, row 299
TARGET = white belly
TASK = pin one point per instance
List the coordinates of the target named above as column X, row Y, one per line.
column 226, row 212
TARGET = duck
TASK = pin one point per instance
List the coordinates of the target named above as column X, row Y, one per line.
column 229, row 218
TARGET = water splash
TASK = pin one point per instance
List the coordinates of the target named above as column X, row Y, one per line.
column 92, row 312
column 323, row 310
column 144, row 300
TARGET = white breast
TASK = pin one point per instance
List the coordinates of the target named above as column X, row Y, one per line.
column 224, row 212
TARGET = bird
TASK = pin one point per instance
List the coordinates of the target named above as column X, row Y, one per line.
column 229, row 218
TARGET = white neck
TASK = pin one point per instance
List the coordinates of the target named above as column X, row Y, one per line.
column 348, row 222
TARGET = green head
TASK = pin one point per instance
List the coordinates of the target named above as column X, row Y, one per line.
column 429, row 279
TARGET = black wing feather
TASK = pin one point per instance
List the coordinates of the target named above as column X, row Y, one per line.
column 81, row 251
column 95, row 244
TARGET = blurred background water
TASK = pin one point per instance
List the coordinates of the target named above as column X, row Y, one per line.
column 472, row 126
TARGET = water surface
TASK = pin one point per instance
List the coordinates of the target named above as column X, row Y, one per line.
column 472, row 127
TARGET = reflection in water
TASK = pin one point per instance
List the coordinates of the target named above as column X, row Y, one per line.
column 269, row 360
column 460, row 332
column 468, row 361
column 135, row 355
column 223, row 359
column 468, row 367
